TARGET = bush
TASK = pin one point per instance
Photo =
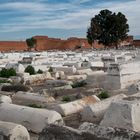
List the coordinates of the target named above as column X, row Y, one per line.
column 66, row 99
column 30, row 69
column 4, row 81
column 103, row 95
column 79, row 84
column 40, row 71
column 7, row 72
column 35, row 106
column 50, row 69
column 15, row 88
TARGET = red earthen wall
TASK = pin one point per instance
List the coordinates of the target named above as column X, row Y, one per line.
column 136, row 43
column 13, row 46
column 45, row 43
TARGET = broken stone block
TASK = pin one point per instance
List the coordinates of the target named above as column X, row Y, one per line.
column 95, row 112
column 123, row 114
column 75, row 106
column 87, row 131
column 5, row 99
column 12, row 131
column 32, row 118
column 54, row 132
column 63, row 87
column 26, row 98
column 77, row 77
column 109, row 133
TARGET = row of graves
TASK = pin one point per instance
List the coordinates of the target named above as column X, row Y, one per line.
column 46, row 106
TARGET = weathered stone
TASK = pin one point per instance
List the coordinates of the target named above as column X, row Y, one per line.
column 123, row 114
column 15, row 79
column 75, row 106
column 36, row 79
column 87, row 131
column 32, row 118
column 25, row 98
column 63, row 87
column 54, row 132
column 85, row 71
column 127, row 73
column 95, row 112
column 5, row 99
column 109, row 133
column 57, row 83
column 134, row 88
column 77, row 77
column 12, row 131
column 7, row 93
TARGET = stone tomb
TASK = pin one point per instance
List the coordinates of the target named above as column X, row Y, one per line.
column 75, row 106
column 12, row 131
column 124, row 114
column 32, row 118
column 27, row 98
column 5, row 99
column 95, row 112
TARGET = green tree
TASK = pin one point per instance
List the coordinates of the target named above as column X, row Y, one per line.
column 108, row 28
column 31, row 42
column 30, row 69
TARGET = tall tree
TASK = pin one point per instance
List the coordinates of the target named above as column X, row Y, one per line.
column 31, row 42
column 108, row 28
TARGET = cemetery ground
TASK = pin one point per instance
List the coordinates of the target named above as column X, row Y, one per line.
column 73, row 97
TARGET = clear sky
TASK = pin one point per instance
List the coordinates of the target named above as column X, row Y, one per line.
column 20, row 19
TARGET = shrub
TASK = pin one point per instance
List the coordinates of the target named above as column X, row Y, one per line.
column 79, row 84
column 66, row 99
column 30, row 69
column 4, row 81
column 7, row 72
column 14, row 88
column 103, row 95
column 40, row 71
column 35, row 106
column 50, row 69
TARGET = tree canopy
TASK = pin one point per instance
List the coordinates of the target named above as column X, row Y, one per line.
column 108, row 28
column 31, row 42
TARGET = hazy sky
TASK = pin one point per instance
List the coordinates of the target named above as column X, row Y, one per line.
column 20, row 19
